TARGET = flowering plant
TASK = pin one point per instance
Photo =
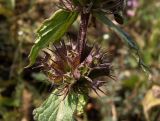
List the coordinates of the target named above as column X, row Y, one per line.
column 71, row 64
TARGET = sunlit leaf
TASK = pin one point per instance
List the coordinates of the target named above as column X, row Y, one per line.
column 51, row 31
column 57, row 109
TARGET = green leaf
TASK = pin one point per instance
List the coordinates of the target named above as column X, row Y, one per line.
column 123, row 35
column 51, row 31
column 57, row 109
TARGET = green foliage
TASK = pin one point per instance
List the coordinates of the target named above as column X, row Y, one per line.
column 101, row 16
column 126, row 95
column 56, row 108
column 124, row 36
column 51, row 31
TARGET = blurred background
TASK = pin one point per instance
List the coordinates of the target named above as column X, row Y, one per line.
column 134, row 96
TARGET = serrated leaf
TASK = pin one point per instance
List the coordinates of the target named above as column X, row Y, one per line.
column 123, row 35
column 51, row 31
column 57, row 109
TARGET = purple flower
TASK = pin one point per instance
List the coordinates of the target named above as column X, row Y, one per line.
column 132, row 5
column 72, row 71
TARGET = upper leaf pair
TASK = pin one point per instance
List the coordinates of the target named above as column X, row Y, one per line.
column 55, row 27
column 51, row 31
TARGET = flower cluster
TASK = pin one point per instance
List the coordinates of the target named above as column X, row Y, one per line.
column 72, row 71
column 108, row 6
column 114, row 7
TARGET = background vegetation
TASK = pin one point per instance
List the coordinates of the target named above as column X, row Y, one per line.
column 134, row 96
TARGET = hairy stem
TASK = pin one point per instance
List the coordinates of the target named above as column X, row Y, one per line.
column 81, row 40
